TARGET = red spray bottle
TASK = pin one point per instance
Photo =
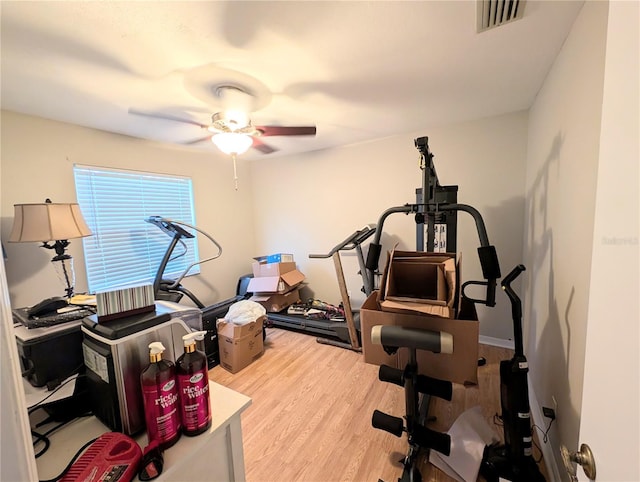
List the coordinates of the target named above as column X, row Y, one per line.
column 160, row 395
column 193, row 386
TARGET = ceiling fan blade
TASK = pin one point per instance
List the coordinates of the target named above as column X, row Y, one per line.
column 197, row 141
column 170, row 117
column 262, row 147
column 287, row 131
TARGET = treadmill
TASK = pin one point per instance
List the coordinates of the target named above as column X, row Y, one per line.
column 342, row 334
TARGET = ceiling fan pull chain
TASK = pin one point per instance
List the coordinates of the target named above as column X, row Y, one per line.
column 235, row 171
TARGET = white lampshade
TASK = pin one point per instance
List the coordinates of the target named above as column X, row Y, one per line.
column 47, row 222
column 232, row 143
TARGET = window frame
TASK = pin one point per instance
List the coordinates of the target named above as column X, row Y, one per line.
column 112, row 200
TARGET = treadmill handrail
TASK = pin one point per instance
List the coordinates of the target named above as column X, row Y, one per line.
column 173, row 228
column 353, row 241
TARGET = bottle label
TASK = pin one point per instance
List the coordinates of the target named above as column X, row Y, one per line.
column 194, row 396
column 161, row 408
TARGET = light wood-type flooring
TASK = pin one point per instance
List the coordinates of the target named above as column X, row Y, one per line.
column 310, row 420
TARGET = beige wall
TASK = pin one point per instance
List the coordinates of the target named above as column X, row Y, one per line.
column 37, row 161
column 307, row 204
column 612, row 364
column 302, row 204
column 562, row 164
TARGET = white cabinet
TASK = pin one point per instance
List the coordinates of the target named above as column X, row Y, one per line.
column 216, row 455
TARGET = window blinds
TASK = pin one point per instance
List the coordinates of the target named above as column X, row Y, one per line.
column 124, row 250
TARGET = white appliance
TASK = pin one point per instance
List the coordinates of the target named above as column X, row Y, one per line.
column 116, row 352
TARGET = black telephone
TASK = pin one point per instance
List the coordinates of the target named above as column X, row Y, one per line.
column 48, row 306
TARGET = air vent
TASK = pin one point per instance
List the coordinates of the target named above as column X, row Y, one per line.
column 493, row 13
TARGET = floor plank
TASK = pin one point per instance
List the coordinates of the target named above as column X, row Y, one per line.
column 310, row 419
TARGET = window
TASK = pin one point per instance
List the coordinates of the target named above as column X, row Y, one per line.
column 124, row 249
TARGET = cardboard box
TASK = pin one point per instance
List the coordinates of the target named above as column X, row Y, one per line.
column 417, row 308
column 416, row 281
column 275, row 258
column 276, row 284
column 461, row 366
column 274, row 303
column 239, row 345
column 272, row 269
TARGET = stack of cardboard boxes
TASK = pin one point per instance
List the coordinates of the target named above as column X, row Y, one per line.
column 276, row 281
column 275, row 286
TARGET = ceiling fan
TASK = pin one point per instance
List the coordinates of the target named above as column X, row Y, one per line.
column 231, row 129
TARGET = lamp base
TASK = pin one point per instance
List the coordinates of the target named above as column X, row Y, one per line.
column 63, row 265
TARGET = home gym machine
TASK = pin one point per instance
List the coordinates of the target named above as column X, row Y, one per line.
column 436, row 208
column 391, row 338
column 172, row 290
column 341, row 334
column 513, row 460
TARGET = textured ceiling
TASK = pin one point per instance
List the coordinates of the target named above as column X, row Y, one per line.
column 357, row 70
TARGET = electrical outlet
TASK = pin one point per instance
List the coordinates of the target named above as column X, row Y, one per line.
column 549, row 413
column 555, row 405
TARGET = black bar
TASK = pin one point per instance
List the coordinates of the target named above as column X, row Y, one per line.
column 433, row 386
column 489, row 262
column 431, row 439
column 163, row 263
column 516, row 308
column 388, row 423
column 424, row 384
column 391, row 375
column 398, row 336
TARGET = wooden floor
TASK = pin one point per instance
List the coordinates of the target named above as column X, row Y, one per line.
column 310, row 419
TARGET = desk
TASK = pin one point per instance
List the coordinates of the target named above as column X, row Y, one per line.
column 216, row 455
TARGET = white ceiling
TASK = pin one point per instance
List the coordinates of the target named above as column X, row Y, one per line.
column 357, row 70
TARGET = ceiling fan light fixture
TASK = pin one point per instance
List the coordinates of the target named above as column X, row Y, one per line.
column 236, row 119
column 230, row 121
column 232, row 142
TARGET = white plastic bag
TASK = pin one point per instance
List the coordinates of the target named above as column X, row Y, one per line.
column 244, row 312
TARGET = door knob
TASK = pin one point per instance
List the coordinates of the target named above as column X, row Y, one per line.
column 584, row 458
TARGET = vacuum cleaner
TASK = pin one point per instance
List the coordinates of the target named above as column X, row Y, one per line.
column 513, row 460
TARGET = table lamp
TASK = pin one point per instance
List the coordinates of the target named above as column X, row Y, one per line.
column 51, row 222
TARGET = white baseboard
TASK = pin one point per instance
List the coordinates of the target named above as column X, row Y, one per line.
column 489, row 340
